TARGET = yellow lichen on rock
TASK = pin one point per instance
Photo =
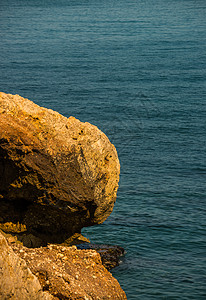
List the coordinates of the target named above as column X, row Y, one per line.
column 13, row 228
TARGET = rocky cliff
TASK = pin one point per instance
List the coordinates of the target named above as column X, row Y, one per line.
column 57, row 174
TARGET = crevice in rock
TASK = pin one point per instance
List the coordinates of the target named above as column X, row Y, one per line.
column 37, row 225
column 13, row 211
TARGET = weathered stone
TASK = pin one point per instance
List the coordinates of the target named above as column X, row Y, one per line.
column 16, row 279
column 69, row 273
column 57, row 174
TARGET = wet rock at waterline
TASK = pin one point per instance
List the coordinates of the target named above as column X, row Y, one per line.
column 110, row 254
column 57, row 174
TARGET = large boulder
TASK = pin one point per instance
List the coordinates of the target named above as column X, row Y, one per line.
column 57, row 174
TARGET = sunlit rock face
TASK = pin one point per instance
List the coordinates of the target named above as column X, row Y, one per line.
column 54, row 272
column 17, row 280
column 57, row 174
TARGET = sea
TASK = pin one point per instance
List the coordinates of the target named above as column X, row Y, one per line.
column 137, row 70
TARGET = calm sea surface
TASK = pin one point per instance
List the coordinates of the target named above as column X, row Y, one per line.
column 137, row 70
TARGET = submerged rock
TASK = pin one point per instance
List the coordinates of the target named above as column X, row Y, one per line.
column 110, row 254
column 57, row 174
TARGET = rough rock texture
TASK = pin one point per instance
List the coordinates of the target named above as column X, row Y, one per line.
column 16, row 279
column 57, row 174
column 65, row 272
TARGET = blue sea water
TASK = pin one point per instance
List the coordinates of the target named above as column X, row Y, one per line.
column 137, row 70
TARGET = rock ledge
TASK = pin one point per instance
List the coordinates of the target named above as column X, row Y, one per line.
column 54, row 272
